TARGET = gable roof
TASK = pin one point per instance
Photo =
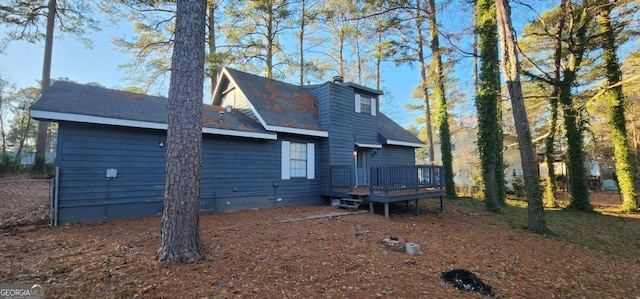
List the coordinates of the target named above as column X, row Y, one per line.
column 66, row 101
column 278, row 106
column 393, row 134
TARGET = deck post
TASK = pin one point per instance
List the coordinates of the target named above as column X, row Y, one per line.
column 370, row 206
column 417, row 207
column 441, row 204
column 386, row 210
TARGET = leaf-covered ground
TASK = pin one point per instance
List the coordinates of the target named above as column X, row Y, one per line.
column 253, row 254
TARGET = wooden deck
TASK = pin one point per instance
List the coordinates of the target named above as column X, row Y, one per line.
column 369, row 194
column 386, row 184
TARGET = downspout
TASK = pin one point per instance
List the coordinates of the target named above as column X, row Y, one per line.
column 54, row 204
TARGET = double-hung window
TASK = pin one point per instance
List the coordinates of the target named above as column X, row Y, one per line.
column 366, row 105
column 298, row 160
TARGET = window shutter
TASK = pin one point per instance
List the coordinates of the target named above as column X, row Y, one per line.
column 357, row 103
column 373, row 106
column 286, row 160
column 311, row 161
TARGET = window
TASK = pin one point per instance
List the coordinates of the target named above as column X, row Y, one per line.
column 298, row 156
column 365, row 105
column 298, row 160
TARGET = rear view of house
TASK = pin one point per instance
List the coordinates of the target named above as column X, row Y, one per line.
column 265, row 143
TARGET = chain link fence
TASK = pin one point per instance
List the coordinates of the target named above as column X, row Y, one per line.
column 25, row 202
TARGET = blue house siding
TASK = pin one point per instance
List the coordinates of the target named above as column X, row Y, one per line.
column 321, row 93
column 237, row 173
column 242, row 174
column 85, row 152
column 394, row 155
column 366, row 124
column 341, row 109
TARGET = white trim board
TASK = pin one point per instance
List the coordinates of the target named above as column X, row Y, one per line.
column 404, row 143
column 59, row 116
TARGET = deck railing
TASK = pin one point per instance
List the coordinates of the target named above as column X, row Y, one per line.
column 386, row 178
column 341, row 176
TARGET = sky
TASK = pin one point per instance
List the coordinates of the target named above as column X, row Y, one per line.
column 21, row 62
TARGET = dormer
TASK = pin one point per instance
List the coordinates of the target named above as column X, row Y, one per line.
column 367, row 100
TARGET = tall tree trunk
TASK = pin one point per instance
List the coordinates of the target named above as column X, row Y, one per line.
column 303, row 22
column 550, row 157
column 43, row 126
column 578, row 185
column 211, row 42
column 511, row 70
column 181, row 239
column 475, row 52
column 441, row 103
column 501, row 183
column 423, row 80
column 341, row 66
column 23, row 138
column 379, row 56
column 270, row 45
column 3, row 133
column 358, row 60
column 487, row 100
column 617, row 122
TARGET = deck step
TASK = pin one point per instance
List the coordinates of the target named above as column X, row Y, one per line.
column 350, row 203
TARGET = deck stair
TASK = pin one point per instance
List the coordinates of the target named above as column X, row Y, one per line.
column 353, row 201
column 350, row 203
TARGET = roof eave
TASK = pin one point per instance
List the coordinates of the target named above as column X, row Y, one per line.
column 59, row 116
column 315, row 133
column 404, row 143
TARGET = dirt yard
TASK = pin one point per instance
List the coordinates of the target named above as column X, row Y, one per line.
column 253, row 254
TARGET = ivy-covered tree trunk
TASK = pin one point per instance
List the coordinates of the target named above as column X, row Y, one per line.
column 487, row 100
column 615, row 100
column 511, row 69
column 578, row 185
column 181, row 239
column 501, row 192
column 442, row 114
column 550, row 157
column 549, row 153
column 423, row 80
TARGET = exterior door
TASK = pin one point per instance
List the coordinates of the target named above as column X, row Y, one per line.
column 362, row 166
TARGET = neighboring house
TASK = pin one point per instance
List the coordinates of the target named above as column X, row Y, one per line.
column 466, row 162
column 265, row 143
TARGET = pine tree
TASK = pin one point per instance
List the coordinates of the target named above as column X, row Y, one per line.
column 442, row 119
column 511, row 70
column 181, row 240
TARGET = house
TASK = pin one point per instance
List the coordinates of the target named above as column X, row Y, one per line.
column 265, row 143
column 466, row 162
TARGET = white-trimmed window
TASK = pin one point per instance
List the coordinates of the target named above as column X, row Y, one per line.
column 366, row 105
column 298, row 160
